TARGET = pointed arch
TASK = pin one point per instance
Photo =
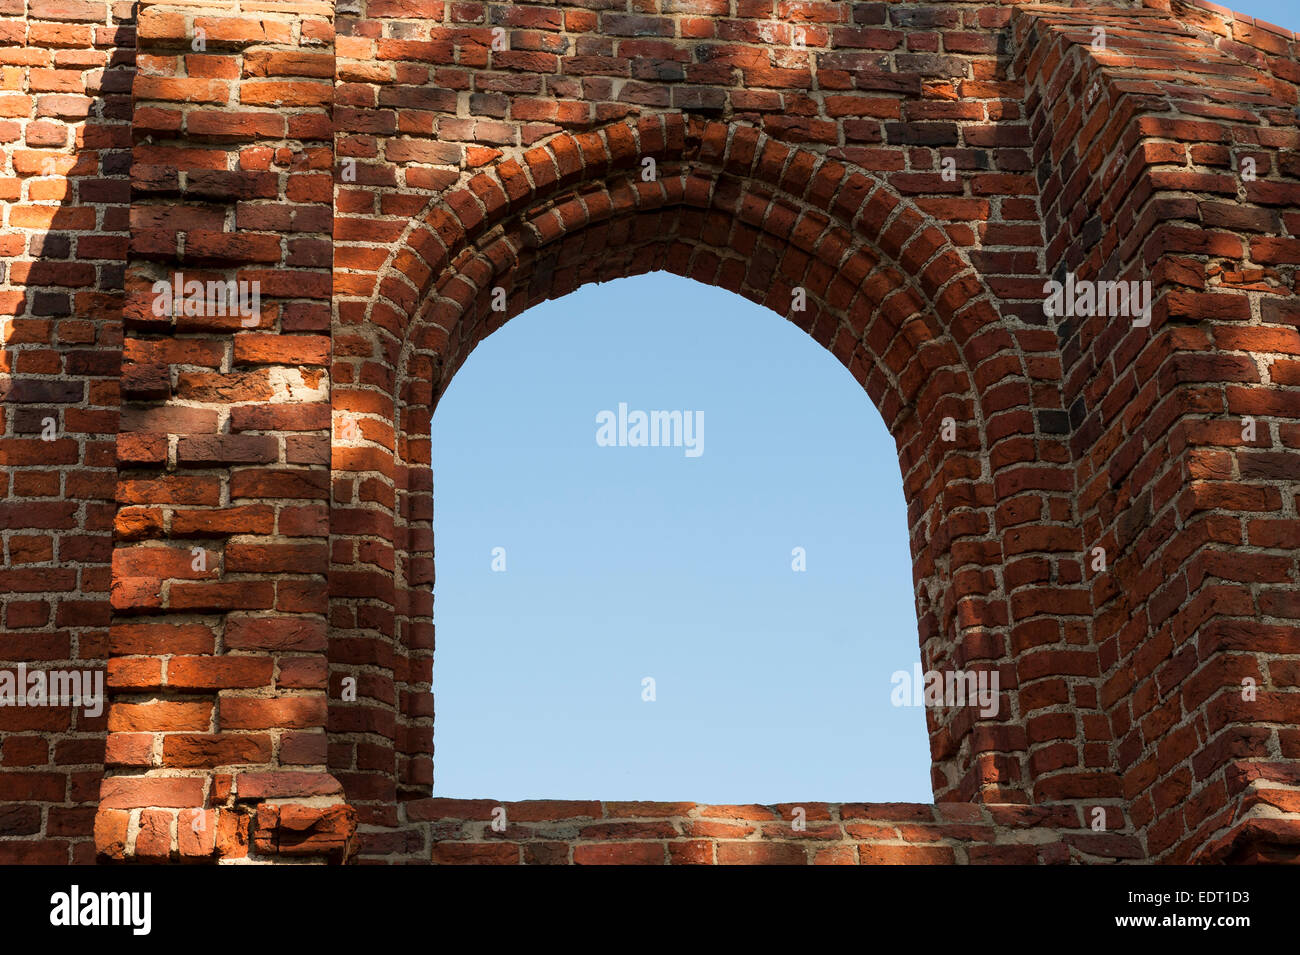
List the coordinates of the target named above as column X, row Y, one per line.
column 887, row 290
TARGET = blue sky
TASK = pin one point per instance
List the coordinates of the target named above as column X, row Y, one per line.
column 623, row 563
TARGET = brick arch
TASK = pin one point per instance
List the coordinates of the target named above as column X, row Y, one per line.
column 851, row 222
column 888, row 294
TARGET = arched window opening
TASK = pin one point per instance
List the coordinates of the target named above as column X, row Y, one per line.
column 706, row 603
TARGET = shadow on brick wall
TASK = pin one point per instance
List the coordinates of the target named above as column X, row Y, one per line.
column 66, row 68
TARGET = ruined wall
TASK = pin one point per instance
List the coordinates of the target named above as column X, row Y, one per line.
column 376, row 170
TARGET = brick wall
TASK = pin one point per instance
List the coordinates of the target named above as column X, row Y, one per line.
column 479, row 832
column 1199, row 523
column 261, row 509
column 65, row 138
